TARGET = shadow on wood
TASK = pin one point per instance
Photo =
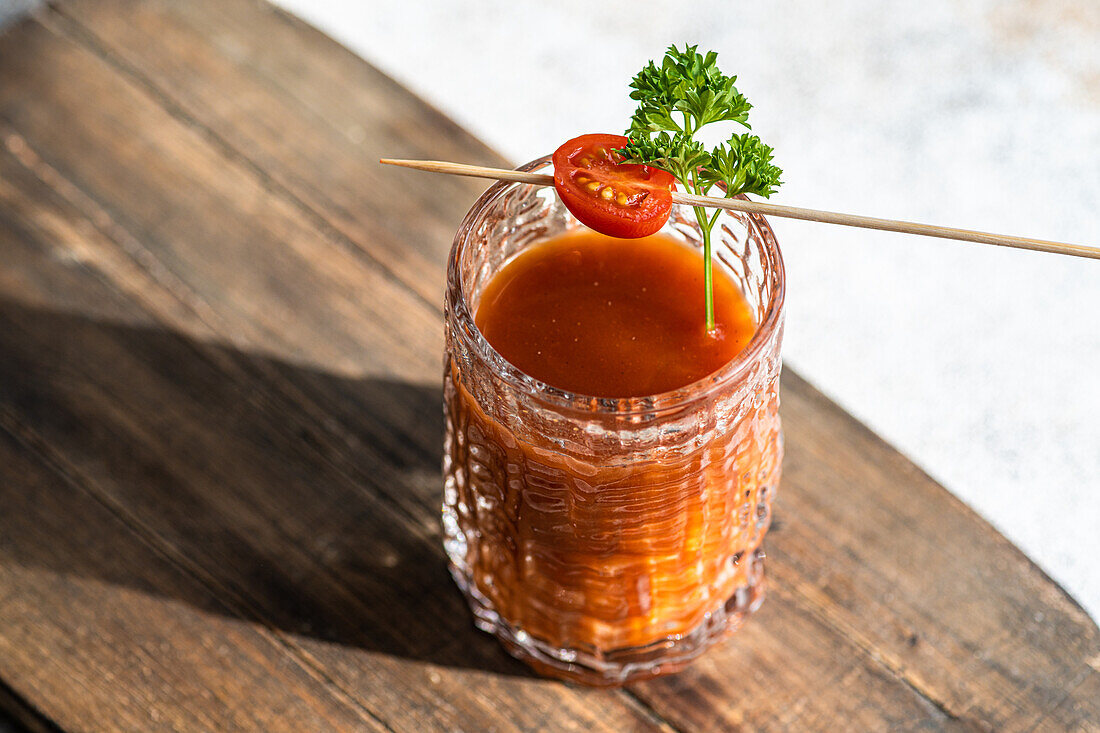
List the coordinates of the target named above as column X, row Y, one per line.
column 222, row 458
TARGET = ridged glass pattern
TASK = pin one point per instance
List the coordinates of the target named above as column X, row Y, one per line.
column 607, row 540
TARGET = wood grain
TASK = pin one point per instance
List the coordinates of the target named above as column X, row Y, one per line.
column 221, row 455
column 219, row 388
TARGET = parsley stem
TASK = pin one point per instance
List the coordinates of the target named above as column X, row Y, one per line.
column 689, row 84
column 705, row 226
column 714, row 219
column 708, row 266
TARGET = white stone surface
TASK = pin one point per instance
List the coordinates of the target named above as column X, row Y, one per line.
column 982, row 364
column 10, row 11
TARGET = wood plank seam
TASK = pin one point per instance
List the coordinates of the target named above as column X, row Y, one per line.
column 145, row 259
column 841, row 631
column 52, row 177
column 882, row 658
column 902, row 462
column 57, row 21
column 870, row 663
column 895, row 667
column 99, row 217
column 24, row 713
column 1069, row 690
column 438, row 116
column 72, row 28
column 649, row 711
column 166, row 281
column 136, row 252
column 860, row 643
column 234, row 601
column 111, row 231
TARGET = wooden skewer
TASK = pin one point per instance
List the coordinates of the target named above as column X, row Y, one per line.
column 789, row 212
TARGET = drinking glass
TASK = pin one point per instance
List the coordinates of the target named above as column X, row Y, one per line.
column 605, row 540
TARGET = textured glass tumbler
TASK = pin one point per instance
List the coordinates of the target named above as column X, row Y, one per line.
column 607, row 540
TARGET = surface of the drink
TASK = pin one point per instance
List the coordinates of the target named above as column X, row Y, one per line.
column 610, row 317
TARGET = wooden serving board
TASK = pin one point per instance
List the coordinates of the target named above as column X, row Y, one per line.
column 220, row 435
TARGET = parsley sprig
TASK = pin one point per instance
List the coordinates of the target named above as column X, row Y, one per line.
column 675, row 100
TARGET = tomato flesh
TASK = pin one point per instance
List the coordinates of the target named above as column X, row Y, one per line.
column 624, row 200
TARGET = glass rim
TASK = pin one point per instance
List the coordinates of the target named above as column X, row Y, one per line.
column 620, row 406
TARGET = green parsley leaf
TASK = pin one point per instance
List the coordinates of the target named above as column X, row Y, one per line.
column 675, row 100
column 744, row 165
column 678, row 154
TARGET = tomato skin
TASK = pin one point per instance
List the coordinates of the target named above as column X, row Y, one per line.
column 617, row 199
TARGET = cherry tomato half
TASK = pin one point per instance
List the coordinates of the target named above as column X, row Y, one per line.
column 617, row 199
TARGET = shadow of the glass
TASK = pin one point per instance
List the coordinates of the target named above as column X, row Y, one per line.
column 311, row 495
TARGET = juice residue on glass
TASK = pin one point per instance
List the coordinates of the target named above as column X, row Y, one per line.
column 609, row 317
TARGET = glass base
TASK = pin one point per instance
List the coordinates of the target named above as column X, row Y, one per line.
column 619, row 666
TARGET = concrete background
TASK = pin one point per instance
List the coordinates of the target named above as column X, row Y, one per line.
column 10, row 11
